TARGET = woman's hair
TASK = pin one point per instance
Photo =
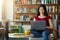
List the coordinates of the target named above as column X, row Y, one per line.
column 45, row 11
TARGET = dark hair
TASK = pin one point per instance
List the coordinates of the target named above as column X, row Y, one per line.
column 45, row 13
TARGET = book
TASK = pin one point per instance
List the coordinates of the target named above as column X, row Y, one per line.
column 54, row 9
column 28, row 10
column 54, row 17
column 24, row 2
column 21, row 18
column 24, row 18
column 24, row 10
column 33, row 10
column 58, row 18
column 58, row 1
column 42, row 1
column 54, row 2
column 47, row 8
column 59, row 9
column 50, row 1
column 29, row 1
column 19, row 10
column 46, row 1
column 50, row 8
column 38, row 2
column 34, row 1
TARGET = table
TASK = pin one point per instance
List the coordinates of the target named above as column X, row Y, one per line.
column 19, row 35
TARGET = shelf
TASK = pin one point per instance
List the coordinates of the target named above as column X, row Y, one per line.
column 43, row 4
column 36, row 13
column 37, row 5
column 20, row 21
column 53, row 13
column 26, row 13
column 25, row 21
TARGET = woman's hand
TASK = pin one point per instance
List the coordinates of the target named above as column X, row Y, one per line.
column 51, row 28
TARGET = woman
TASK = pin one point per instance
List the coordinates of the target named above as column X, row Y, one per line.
column 42, row 15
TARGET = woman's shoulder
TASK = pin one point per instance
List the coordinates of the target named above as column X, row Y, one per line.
column 36, row 17
column 49, row 17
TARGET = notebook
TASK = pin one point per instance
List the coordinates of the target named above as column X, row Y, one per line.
column 38, row 25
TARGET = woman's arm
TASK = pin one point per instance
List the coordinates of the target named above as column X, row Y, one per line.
column 53, row 30
column 34, row 19
column 51, row 24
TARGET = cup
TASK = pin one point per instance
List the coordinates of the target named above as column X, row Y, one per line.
column 27, row 32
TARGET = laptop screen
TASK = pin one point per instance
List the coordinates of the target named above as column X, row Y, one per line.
column 38, row 25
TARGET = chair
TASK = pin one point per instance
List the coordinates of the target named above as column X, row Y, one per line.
column 52, row 36
column 2, row 31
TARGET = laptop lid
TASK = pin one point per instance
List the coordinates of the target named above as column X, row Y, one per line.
column 38, row 25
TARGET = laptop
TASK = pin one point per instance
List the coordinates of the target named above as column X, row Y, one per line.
column 38, row 25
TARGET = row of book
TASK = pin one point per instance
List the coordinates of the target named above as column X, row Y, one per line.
column 26, row 18
column 53, row 9
column 30, row 17
column 25, row 10
column 36, row 2
column 55, row 17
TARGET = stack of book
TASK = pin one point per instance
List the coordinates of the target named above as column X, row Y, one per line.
column 24, row 2
column 36, row 2
column 53, row 9
column 48, row 1
column 54, row 17
column 33, row 10
column 17, row 2
column 24, row 18
column 24, row 10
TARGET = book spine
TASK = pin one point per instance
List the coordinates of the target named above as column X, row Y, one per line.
column 38, row 2
column 47, row 8
column 59, row 10
column 42, row 1
column 53, row 8
column 21, row 18
column 34, row 1
column 24, row 10
column 33, row 10
column 29, row 1
column 24, row 2
column 54, row 1
column 47, row 1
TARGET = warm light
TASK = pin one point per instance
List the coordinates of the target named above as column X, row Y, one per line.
column 0, row 9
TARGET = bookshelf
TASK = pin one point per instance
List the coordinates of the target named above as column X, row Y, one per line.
column 24, row 10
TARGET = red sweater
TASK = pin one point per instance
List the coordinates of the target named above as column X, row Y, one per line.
column 45, row 19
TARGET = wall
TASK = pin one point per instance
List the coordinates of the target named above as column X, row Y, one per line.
column 0, row 9
column 9, row 10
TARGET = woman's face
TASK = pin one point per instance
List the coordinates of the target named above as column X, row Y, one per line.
column 41, row 10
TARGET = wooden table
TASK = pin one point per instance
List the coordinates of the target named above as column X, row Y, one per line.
column 19, row 35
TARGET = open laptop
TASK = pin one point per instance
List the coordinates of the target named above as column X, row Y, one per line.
column 38, row 25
